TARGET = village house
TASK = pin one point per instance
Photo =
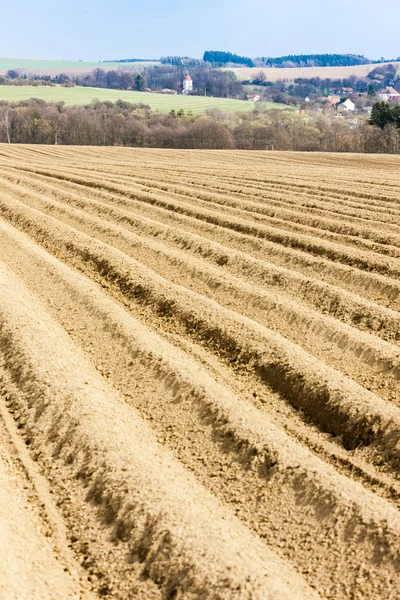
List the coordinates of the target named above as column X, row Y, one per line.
column 346, row 106
column 389, row 95
column 253, row 97
column 187, row 85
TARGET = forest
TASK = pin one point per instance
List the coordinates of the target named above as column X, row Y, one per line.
column 316, row 60
column 135, row 125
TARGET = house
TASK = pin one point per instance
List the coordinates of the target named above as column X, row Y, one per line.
column 389, row 95
column 253, row 97
column 168, row 91
column 187, row 85
column 346, row 106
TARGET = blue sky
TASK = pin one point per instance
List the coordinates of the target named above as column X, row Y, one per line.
column 90, row 29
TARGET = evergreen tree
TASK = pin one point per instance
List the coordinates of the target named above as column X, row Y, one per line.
column 381, row 114
column 140, row 83
column 396, row 115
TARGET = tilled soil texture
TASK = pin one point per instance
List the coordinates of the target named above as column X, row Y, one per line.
column 199, row 374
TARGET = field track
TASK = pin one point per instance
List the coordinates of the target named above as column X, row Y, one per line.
column 199, row 374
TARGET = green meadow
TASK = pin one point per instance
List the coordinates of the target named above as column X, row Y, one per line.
column 85, row 95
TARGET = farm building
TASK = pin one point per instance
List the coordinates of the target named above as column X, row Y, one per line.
column 253, row 97
column 389, row 95
column 346, row 106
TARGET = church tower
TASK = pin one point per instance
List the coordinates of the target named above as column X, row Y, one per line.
column 187, row 85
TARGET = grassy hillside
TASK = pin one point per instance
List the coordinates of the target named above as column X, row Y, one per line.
column 273, row 74
column 52, row 67
column 85, row 95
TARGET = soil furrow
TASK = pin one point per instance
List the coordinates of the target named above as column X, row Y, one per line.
column 368, row 356
column 217, row 429
column 133, row 485
column 232, row 218
column 199, row 374
column 374, row 287
column 324, row 298
column 336, row 404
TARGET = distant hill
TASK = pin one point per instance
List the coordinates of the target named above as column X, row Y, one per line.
column 219, row 58
column 54, row 67
column 132, row 60
column 290, row 74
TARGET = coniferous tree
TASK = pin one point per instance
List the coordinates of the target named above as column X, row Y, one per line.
column 381, row 114
column 396, row 115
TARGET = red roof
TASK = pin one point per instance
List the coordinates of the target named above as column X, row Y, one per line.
column 188, row 78
column 390, row 92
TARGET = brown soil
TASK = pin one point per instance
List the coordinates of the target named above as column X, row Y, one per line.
column 199, row 374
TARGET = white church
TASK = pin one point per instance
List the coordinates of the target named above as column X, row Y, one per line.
column 187, row 85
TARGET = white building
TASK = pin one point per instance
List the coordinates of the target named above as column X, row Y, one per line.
column 346, row 106
column 253, row 97
column 187, row 85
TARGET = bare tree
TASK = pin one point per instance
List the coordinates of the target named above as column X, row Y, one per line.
column 5, row 119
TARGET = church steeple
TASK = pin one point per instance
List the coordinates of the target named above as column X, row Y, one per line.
column 187, row 84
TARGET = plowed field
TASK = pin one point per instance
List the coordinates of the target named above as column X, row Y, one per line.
column 199, row 374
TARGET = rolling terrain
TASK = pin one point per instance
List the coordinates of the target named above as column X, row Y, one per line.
column 289, row 74
column 81, row 96
column 55, row 67
column 199, row 374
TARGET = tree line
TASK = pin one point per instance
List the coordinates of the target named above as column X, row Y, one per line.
column 206, row 81
column 316, row 60
column 135, row 125
column 219, row 58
